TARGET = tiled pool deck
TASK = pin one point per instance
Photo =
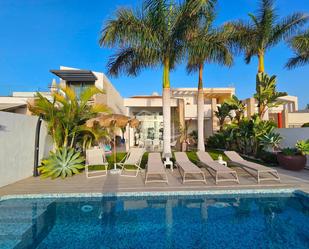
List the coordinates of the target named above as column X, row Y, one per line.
column 120, row 184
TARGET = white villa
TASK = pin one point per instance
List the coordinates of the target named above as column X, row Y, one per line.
column 148, row 108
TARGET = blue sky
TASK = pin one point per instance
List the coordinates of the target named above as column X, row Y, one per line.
column 39, row 35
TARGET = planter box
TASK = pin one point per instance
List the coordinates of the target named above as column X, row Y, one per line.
column 295, row 163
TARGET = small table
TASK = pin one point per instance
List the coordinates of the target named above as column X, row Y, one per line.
column 168, row 163
column 222, row 162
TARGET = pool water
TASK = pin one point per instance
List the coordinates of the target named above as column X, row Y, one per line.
column 246, row 221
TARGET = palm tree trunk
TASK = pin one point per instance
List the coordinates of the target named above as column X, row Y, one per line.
column 261, row 68
column 200, row 111
column 166, row 98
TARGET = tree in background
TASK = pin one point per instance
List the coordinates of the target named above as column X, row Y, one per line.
column 206, row 45
column 300, row 46
column 264, row 31
column 153, row 36
column 223, row 112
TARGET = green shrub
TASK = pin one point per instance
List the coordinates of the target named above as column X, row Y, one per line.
column 290, row 151
column 216, row 141
column 305, row 125
column 120, row 156
column 303, row 146
column 268, row 157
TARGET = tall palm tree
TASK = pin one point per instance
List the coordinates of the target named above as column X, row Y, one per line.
column 264, row 31
column 300, row 45
column 207, row 45
column 154, row 35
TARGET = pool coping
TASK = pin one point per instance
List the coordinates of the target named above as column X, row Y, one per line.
column 158, row 193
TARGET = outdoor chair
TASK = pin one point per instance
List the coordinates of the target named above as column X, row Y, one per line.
column 95, row 157
column 186, row 167
column 216, row 169
column 155, row 167
column 132, row 159
column 254, row 169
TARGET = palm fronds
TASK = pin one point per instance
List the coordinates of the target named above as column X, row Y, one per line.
column 300, row 45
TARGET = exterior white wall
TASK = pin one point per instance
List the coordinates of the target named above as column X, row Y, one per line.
column 114, row 99
column 297, row 119
column 146, row 102
column 191, row 111
column 292, row 135
column 17, row 138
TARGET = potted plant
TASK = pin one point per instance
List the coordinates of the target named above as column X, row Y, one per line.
column 294, row 158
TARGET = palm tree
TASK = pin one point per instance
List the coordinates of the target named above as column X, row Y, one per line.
column 264, row 31
column 66, row 115
column 206, row 45
column 154, row 35
column 300, row 45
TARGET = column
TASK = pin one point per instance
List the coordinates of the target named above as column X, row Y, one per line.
column 285, row 118
column 214, row 120
column 250, row 107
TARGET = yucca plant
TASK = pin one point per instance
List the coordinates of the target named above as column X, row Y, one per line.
column 266, row 93
column 62, row 163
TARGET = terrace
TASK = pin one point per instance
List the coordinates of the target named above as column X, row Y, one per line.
column 116, row 184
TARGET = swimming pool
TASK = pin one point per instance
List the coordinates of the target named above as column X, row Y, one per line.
column 202, row 221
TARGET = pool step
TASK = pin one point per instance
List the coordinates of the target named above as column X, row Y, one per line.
column 9, row 243
column 23, row 225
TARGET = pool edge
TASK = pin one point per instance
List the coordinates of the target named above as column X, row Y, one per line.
column 157, row 193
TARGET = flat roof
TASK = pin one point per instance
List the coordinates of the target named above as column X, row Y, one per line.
column 75, row 75
column 10, row 106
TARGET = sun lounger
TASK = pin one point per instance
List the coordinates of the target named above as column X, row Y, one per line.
column 253, row 169
column 155, row 167
column 133, row 158
column 186, row 167
column 216, row 169
column 95, row 157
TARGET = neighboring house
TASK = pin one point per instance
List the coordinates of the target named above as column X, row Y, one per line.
column 75, row 78
column 285, row 115
column 148, row 108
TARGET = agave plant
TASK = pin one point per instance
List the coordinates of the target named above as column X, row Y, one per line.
column 62, row 163
column 271, row 139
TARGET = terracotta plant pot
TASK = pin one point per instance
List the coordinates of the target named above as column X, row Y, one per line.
column 297, row 162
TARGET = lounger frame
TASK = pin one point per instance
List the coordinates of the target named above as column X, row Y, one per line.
column 216, row 173
column 242, row 164
column 184, row 173
column 160, row 173
column 248, row 169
